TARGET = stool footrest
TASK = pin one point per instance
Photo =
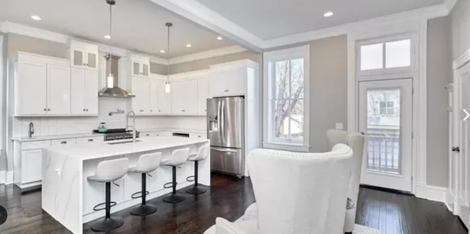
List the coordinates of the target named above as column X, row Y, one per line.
column 95, row 208
column 139, row 194
column 190, row 178
column 169, row 185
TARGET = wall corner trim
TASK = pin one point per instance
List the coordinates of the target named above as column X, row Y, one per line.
column 430, row 192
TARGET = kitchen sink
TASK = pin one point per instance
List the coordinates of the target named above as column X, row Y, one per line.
column 123, row 142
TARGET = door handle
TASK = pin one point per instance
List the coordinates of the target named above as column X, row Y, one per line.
column 456, row 149
column 225, row 150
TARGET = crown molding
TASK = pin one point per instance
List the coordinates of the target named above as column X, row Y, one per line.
column 450, row 4
column 462, row 60
column 200, row 14
column 207, row 54
column 407, row 16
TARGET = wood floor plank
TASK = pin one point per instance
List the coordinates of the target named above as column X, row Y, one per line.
column 228, row 197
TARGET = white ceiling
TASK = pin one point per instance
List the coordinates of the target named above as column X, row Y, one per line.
column 138, row 25
column 269, row 19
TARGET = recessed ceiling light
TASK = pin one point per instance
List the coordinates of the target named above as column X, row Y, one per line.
column 219, row 38
column 188, row 45
column 35, row 17
column 107, row 36
column 162, row 51
column 328, row 14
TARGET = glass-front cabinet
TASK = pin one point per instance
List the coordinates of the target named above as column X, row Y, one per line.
column 84, row 55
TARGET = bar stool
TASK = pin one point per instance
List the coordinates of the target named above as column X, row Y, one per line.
column 201, row 155
column 107, row 172
column 178, row 158
column 146, row 164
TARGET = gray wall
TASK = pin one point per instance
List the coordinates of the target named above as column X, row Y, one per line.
column 156, row 68
column 439, row 74
column 460, row 24
column 37, row 46
column 206, row 63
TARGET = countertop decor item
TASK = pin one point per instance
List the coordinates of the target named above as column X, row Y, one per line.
column 102, row 127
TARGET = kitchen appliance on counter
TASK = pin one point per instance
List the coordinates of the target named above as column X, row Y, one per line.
column 117, row 134
column 226, row 132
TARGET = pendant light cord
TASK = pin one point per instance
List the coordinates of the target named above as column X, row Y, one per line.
column 168, row 53
column 111, row 36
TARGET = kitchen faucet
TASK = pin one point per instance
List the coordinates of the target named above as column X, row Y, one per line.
column 31, row 130
column 133, row 124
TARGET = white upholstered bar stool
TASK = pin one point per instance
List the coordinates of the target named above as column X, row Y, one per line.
column 106, row 172
column 146, row 164
column 202, row 154
column 178, row 157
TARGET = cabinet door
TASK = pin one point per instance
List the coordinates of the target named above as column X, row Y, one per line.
column 31, row 166
column 145, row 69
column 154, row 96
column 202, row 95
column 141, row 90
column 32, row 88
column 92, row 60
column 58, row 90
column 184, row 97
column 164, row 99
column 78, row 90
column 78, row 58
column 91, row 93
column 228, row 82
column 135, row 68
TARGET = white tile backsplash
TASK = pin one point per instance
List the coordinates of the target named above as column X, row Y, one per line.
column 44, row 126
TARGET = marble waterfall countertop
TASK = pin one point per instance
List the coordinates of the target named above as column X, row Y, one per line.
column 122, row 147
column 80, row 135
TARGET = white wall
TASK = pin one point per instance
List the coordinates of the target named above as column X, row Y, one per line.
column 460, row 26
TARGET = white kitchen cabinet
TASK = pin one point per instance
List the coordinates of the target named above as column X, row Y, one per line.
column 184, row 97
column 58, row 87
column 198, row 135
column 140, row 68
column 90, row 140
column 202, row 95
column 42, row 86
column 84, row 97
column 84, row 55
column 230, row 79
column 70, row 141
column 31, row 161
column 141, row 90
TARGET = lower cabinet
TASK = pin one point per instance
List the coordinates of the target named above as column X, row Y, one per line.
column 31, row 162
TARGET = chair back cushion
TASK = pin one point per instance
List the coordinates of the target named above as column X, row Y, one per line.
column 301, row 192
column 179, row 156
column 356, row 142
column 202, row 153
column 111, row 170
column 148, row 162
column 335, row 137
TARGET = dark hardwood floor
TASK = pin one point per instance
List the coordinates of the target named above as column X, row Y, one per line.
column 229, row 197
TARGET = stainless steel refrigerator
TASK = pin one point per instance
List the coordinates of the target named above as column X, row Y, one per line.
column 225, row 129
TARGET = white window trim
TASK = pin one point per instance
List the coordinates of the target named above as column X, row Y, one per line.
column 267, row 142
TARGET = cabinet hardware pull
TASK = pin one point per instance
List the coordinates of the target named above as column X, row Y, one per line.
column 48, row 109
column 63, row 142
column 90, row 140
column 45, row 109
column 84, row 109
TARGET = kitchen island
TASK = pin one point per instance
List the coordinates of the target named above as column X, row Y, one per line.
column 69, row 197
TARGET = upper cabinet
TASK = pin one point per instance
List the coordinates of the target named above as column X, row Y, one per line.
column 202, row 94
column 83, row 55
column 84, row 100
column 136, row 66
column 184, row 96
column 230, row 79
column 42, row 86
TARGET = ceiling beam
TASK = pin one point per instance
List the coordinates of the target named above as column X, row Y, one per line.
column 200, row 14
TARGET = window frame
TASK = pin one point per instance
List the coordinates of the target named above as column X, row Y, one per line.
column 384, row 40
column 269, row 141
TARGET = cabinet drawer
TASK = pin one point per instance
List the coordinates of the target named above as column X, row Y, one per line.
column 89, row 140
column 70, row 141
column 35, row 145
column 198, row 135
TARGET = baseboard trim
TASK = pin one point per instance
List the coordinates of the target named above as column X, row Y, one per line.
column 6, row 177
column 432, row 193
column 386, row 189
column 3, row 177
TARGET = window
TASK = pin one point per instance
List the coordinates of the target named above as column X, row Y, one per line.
column 387, row 108
column 286, row 98
column 389, row 55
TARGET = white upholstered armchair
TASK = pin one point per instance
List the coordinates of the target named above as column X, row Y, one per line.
column 356, row 142
column 296, row 193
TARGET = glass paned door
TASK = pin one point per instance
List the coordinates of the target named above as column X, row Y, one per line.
column 386, row 119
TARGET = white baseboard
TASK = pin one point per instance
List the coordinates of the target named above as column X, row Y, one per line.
column 7, row 177
column 3, row 177
column 429, row 192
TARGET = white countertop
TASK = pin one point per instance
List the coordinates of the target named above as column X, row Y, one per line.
column 101, row 150
column 80, row 135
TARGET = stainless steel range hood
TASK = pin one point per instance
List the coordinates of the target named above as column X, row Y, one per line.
column 115, row 91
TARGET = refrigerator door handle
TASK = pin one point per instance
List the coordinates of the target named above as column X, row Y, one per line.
column 225, row 150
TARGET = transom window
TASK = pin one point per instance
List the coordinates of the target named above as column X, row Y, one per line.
column 388, row 55
column 285, row 103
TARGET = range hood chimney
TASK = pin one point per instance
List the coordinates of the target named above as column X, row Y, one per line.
column 115, row 91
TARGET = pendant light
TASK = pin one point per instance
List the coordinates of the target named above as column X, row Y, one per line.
column 167, row 83
column 110, row 79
